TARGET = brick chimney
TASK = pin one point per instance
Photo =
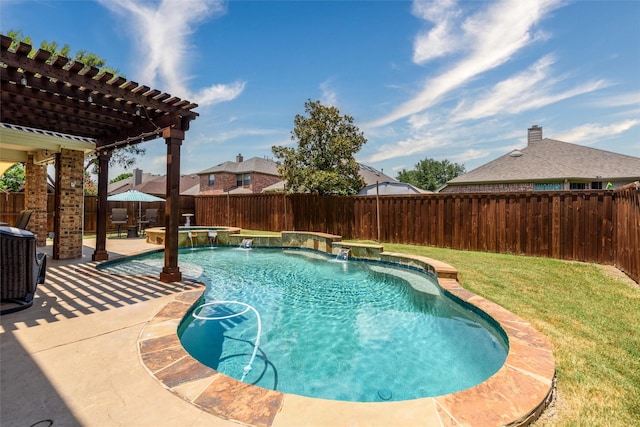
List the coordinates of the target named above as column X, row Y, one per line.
column 137, row 176
column 239, row 158
column 534, row 135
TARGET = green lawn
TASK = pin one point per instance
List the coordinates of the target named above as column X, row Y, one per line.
column 591, row 318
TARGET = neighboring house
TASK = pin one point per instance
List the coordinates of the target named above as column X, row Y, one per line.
column 129, row 183
column 376, row 182
column 189, row 185
column 371, row 176
column 154, row 184
column 549, row 165
column 239, row 177
column 393, row 187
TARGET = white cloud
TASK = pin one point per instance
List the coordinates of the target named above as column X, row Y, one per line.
column 218, row 93
column 219, row 137
column 468, row 155
column 162, row 32
column 415, row 144
column 591, row 132
column 419, row 121
column 622, row 100
column 529, row 89
column 441, row 39
column 329, row 96
column 490, row 38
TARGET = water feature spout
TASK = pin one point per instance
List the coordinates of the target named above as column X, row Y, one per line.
column 191, row 235
column 213, row 237
column 343, row 254
column 246, row 243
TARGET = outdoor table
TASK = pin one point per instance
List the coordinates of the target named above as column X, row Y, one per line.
column 132, row 231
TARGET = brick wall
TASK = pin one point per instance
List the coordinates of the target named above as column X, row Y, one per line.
column 225, row 181
column 489, row 188
column 68, row 218
column 259, row 181
column 35, row 199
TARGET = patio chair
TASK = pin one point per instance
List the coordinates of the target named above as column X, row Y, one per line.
column 151, row 216
column 23, row 219
column 119, row 217
column 22, row 269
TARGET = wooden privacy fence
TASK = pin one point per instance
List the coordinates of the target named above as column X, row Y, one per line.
column 12, row 203
column 91, row 209
column 593, row 226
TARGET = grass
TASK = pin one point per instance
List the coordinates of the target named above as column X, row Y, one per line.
column 591, row 318
column 260, row 232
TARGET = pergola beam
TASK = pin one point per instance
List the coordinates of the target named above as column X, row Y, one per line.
column 55, row 70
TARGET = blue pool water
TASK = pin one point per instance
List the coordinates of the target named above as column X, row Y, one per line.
column 354, row 331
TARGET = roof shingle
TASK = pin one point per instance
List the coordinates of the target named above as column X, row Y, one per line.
column 551, row 159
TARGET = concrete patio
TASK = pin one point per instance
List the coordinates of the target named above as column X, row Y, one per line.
column 72, row 360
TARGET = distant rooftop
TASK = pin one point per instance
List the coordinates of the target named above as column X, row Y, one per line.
column 254, row 164
column 545, row 159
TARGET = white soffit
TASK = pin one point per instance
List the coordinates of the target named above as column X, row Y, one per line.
column 17, row 142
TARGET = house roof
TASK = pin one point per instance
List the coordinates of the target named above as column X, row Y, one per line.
column 158, row 185
column 127, row 184
column 549, row 159
column 394, row 187
column 254, row 164
column 369, row 174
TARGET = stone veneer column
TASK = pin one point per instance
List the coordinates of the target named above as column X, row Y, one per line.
column 35, row 199
column 69, row 204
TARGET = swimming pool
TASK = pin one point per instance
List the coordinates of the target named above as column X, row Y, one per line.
column 354, row 331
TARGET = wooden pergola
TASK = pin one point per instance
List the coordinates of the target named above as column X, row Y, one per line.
column 63, row 96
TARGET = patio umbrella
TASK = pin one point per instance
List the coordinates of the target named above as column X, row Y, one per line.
column 134, row 196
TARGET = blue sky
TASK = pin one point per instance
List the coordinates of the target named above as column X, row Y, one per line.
column 456, row 80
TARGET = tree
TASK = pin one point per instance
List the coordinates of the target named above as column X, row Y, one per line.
column 121, row 177
column 13, row 178
column 90, row 186
column 125, row 156
column 430, row 174
column 324, row 161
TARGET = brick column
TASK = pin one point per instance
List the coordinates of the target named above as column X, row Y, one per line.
column 69, row 203
column 35, row 199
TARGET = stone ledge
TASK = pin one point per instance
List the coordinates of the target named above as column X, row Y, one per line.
column 358, row 250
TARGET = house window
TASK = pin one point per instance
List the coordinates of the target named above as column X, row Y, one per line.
column 547, row 186
column 243, row 180
column 596, row 185
column 577, row 186
column 212, row 179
